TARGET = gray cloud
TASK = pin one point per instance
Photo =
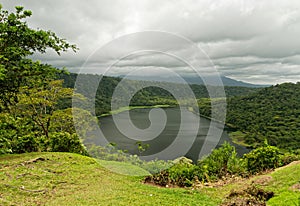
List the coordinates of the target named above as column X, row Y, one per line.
column 254, row 41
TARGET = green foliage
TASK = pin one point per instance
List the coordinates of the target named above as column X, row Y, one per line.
column 182, row 174
column 142, row 147
column 272, row 113
column 220, row 162
column 63, row 121
column 236, row 165
column 16, row 132
column 26, row 143
column 63, row 142
column 287, row 158
column 39, row 103
column 148, row 96
column 262, row 158
column 111, row 153
column 17, row 42
column 29, row 93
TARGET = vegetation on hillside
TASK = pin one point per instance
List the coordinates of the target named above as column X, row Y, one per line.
column 30, row 92
column 222, row 162
column 36, row 116
column 271, row 113
column 70, row 179
column 148, row 96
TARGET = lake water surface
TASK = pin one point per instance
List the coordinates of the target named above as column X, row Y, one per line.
column 189, row 143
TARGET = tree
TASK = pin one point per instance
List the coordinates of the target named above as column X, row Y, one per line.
column 39, row 103
column 17, row 42
column 30, row 91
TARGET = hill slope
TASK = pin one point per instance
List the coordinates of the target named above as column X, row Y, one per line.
column 70, row 179
column 272, row 113
column 146, row 97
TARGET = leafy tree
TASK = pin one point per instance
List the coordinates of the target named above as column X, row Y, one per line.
column 30, row 92
column 63, row 120
column 17, row 43
column 39, row 103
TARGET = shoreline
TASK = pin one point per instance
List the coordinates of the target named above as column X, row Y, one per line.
column 235, row 136
column 207, row 117
column 123, row 109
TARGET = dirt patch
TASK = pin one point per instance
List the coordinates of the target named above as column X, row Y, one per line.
column 251, row 195
column 295, row 187
column 264, row 180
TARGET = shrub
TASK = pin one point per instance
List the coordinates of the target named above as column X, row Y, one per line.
column 235, row 165
column 287, row 158
column 262, row 158
column 220, row 162
column 5, row 145
column 63, row 142
column 182, row 173
column 26, row 143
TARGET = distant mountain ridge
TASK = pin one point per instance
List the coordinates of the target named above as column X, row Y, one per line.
column 195, row 80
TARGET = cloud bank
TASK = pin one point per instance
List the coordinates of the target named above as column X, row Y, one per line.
column 253, row 41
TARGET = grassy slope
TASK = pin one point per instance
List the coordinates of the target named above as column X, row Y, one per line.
column 281, row 182
column 70, row 179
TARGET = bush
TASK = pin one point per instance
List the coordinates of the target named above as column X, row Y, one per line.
column 26, row 143
column 262, row 158
column 236, row 166
column 16, row 135
column 182, row 173
column 63, row 142
column 220, row 162
column 5, row 146
column 287, row 158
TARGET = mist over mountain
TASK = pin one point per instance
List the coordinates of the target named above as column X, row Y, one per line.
column 196, row 80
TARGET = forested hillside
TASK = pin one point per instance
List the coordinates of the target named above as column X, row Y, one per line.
column 146, row 97
column 272, row 113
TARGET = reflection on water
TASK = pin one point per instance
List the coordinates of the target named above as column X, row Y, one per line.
column 160, row 145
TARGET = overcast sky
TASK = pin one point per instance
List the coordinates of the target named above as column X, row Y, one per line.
column 252, row 41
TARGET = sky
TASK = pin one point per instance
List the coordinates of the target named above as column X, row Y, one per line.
column 252, row 41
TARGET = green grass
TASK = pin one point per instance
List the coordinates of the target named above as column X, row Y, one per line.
column 282, row 181
column 124, row 168
column 71, row 179
column 238, row 137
